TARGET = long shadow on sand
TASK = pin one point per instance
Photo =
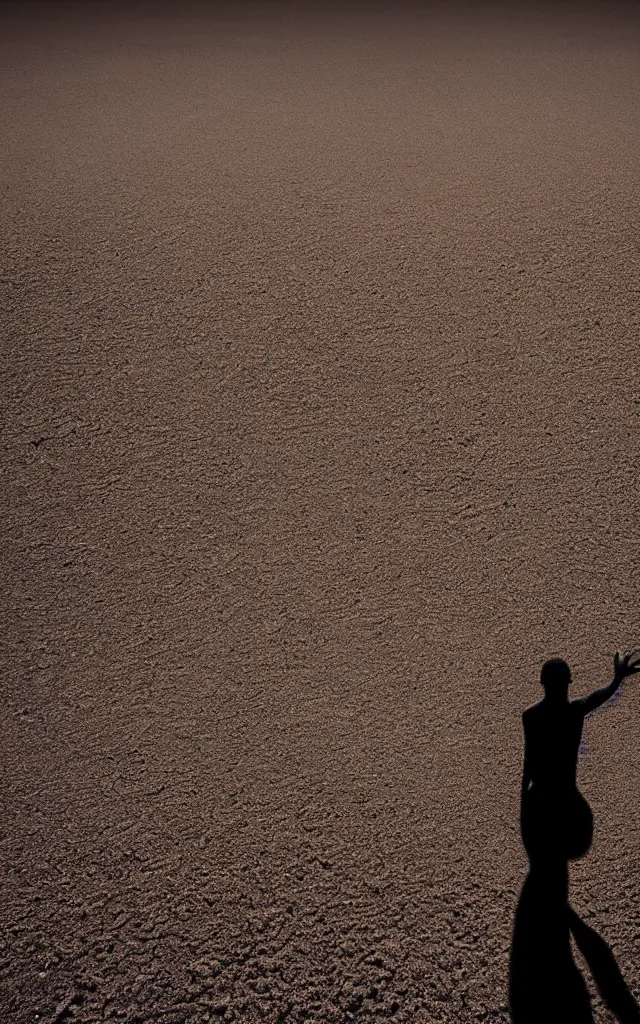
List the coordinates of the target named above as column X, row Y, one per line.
column 545, row 983
column 556, row 822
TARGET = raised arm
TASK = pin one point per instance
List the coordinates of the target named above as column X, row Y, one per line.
column 629, row 665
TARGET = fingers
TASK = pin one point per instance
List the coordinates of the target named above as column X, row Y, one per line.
column 630, row 664
column 627, row 658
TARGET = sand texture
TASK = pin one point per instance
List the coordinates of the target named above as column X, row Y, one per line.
column 320, row 433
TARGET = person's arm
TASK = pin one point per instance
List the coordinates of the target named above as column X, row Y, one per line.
column 526, row 771
column 622, row 667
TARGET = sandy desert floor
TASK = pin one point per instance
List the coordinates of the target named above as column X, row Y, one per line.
column 320, row 424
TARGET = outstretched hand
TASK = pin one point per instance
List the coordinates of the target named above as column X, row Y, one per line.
column 628, row 665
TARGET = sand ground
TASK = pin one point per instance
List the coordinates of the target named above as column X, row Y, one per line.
column 319, row 434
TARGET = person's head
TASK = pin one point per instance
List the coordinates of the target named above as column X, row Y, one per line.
column 555, row 678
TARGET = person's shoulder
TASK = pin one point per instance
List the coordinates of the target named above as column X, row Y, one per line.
column 530, row 713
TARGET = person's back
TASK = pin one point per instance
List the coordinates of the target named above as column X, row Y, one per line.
column 556, row 821
column 553, row 731
column 553, row 728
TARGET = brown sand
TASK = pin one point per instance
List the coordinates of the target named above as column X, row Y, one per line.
column 320, row 433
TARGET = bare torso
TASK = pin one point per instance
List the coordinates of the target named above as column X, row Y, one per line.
column 552, row 742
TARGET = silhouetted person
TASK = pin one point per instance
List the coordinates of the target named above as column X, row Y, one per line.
column 557, row 826
column 556, row 819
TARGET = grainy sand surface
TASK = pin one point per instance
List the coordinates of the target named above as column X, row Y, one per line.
column 320, row 418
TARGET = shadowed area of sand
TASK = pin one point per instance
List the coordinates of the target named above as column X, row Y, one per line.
column 319, row 434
